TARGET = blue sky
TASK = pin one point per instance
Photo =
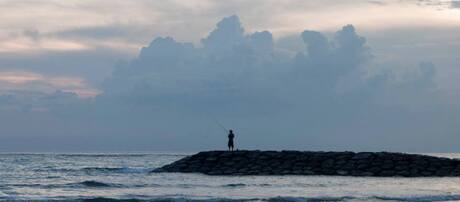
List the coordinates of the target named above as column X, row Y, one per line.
column 154, row 75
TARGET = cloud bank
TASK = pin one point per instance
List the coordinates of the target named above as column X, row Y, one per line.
column 328, row 95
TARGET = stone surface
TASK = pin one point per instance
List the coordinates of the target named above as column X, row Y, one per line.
column 378, row 164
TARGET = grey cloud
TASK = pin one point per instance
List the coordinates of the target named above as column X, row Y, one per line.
column 228, row 32
column 328, row 60
column 232, row 77
column 262, row 42
column 93, row 65
column 376, row 2
column 290, row 44
column 32, row 33
column 105, row 32
column 319, row 98
column 317, row 44
column 455, row 4
column 39, row 102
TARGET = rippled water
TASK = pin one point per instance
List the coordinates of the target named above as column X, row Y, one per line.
column 126, row 176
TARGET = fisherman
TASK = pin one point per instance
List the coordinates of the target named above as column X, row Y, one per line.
column 230, row 140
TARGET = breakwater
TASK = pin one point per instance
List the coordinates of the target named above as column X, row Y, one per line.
column 379, row 164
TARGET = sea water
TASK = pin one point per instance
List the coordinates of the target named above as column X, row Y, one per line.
column 127, row 176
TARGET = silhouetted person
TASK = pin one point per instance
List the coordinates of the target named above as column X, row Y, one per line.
column 230, row 140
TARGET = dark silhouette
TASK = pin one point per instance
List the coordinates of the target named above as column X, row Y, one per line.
column 334, row 163
column 230, row 140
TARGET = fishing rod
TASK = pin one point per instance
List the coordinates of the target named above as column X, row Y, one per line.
column 219, row 124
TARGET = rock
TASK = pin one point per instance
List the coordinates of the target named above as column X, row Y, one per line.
column 367, row 174
column 387, row 173
column 328, row 163
column 403, row 173
column 340, row 162
column 384, row 164
column 211, row 158
column 401, row 167
column 362, row 155
column 362, row 166
column 375, row 169
column 342, row 172
column 442, row 173
column 426, row 173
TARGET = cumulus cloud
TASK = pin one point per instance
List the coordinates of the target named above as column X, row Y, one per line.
column 328, row 94
column 238, row 76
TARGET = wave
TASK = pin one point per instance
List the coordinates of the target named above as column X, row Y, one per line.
column 116, row 169
column 234, row 185
column 428, row 198
column 57, row 170
column 96, row 170
column 78, row 185
column 184, row 199
column 92, row 183
column 421, row 198
column 3, row 195
column 274, row 199
column 117, row 155
column 101, row 199
column 302, row 199
column 243, row 185
column 102, row 155
column 168, row 199
column 87, row 183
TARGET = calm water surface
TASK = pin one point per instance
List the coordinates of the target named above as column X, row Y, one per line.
column 126, row 176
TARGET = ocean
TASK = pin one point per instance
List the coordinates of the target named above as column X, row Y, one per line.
column 121, row 176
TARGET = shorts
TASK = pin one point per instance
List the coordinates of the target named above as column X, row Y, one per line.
column 230, row 143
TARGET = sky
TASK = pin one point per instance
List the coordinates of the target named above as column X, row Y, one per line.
column 170, row 75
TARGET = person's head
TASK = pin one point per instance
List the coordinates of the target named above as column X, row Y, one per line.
column 231, row 131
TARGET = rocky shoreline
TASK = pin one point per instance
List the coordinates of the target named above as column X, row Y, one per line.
column 378, row 164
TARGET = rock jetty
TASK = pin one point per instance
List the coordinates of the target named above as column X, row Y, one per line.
column 378, row 164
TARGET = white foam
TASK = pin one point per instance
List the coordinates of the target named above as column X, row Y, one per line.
column 3, row 195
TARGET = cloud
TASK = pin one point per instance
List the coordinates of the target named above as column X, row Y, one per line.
column 227, row 34
column 318, row 45
column 19, row 77
column 31, row 44
column 33, row 34
column 99, row 32
column 326, row 94
column 17, row 80
column 88, row 24
column 35, row 101
column 455, row 4
column 326, row 88
column 376, row 2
